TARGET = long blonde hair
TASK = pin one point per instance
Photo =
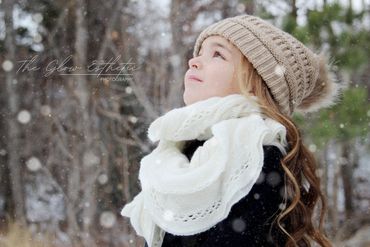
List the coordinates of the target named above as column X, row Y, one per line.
column 299, row 165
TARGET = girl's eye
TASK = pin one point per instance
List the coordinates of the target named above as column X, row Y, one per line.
column 218, row 53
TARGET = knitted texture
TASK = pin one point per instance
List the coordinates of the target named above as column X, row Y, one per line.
column 298, row 79
column 185, row 197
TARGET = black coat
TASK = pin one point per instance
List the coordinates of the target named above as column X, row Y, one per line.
column 249, row 220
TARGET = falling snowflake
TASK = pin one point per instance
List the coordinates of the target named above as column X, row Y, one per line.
column 119, row 187
column 282, row 206
column 37, row 17
column 7, row 65
column 33, row 164
column 312, row 148
column 168, row 215
column 128, row 90
column 24, row 116
column 279, row 70
column 240, row 8
column 3, row 152
column 175, row 60
column 37, row 38
column 273, row 178
column 132, row 119
column 90, row 159
column 103, row 178
column 107, row 219
column 86, row 221
column 341, row 126
column 45, row 110
column 185, row 27
column 238, row 225
column 256, row 196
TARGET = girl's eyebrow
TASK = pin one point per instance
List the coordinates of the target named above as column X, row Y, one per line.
column 214, row 43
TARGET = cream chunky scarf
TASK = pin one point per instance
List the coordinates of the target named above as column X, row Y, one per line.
column 185, row 198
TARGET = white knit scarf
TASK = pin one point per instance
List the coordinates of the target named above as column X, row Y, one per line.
column 185, row 198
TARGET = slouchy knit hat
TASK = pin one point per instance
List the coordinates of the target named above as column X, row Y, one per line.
column 298, row 79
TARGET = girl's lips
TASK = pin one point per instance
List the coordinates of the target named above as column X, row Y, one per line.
column 194, row 78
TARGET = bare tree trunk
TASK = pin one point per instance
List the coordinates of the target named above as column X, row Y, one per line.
column 126, row 174
column 13, row 144
column 73, row 195
column 335, row 191
column 325, row 168
column 365, row 78
column 80, row 54
column 82, row 174
column 88, row 170
column 324, row 180
column 294, row 13
column 347, row 177
column 177, row 31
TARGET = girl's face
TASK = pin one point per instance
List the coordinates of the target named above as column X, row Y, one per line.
column 211, row 72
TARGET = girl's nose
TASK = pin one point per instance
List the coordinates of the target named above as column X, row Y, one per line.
column 194, row 63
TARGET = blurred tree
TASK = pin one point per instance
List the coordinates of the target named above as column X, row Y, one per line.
column 340, row 30
column 12, row 106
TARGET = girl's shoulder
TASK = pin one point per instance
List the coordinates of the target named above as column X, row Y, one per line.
column 250, row 219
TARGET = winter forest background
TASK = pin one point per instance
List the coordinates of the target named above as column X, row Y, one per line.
column 71, row 136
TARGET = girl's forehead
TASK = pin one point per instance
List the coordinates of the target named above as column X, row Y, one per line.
column 217, row 39
column 224, row 42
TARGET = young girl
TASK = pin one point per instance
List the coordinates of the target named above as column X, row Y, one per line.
column 230, row 168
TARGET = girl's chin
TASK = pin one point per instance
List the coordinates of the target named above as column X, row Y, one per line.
column 189, row 99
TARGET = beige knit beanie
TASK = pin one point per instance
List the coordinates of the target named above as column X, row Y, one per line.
column 298, row 79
